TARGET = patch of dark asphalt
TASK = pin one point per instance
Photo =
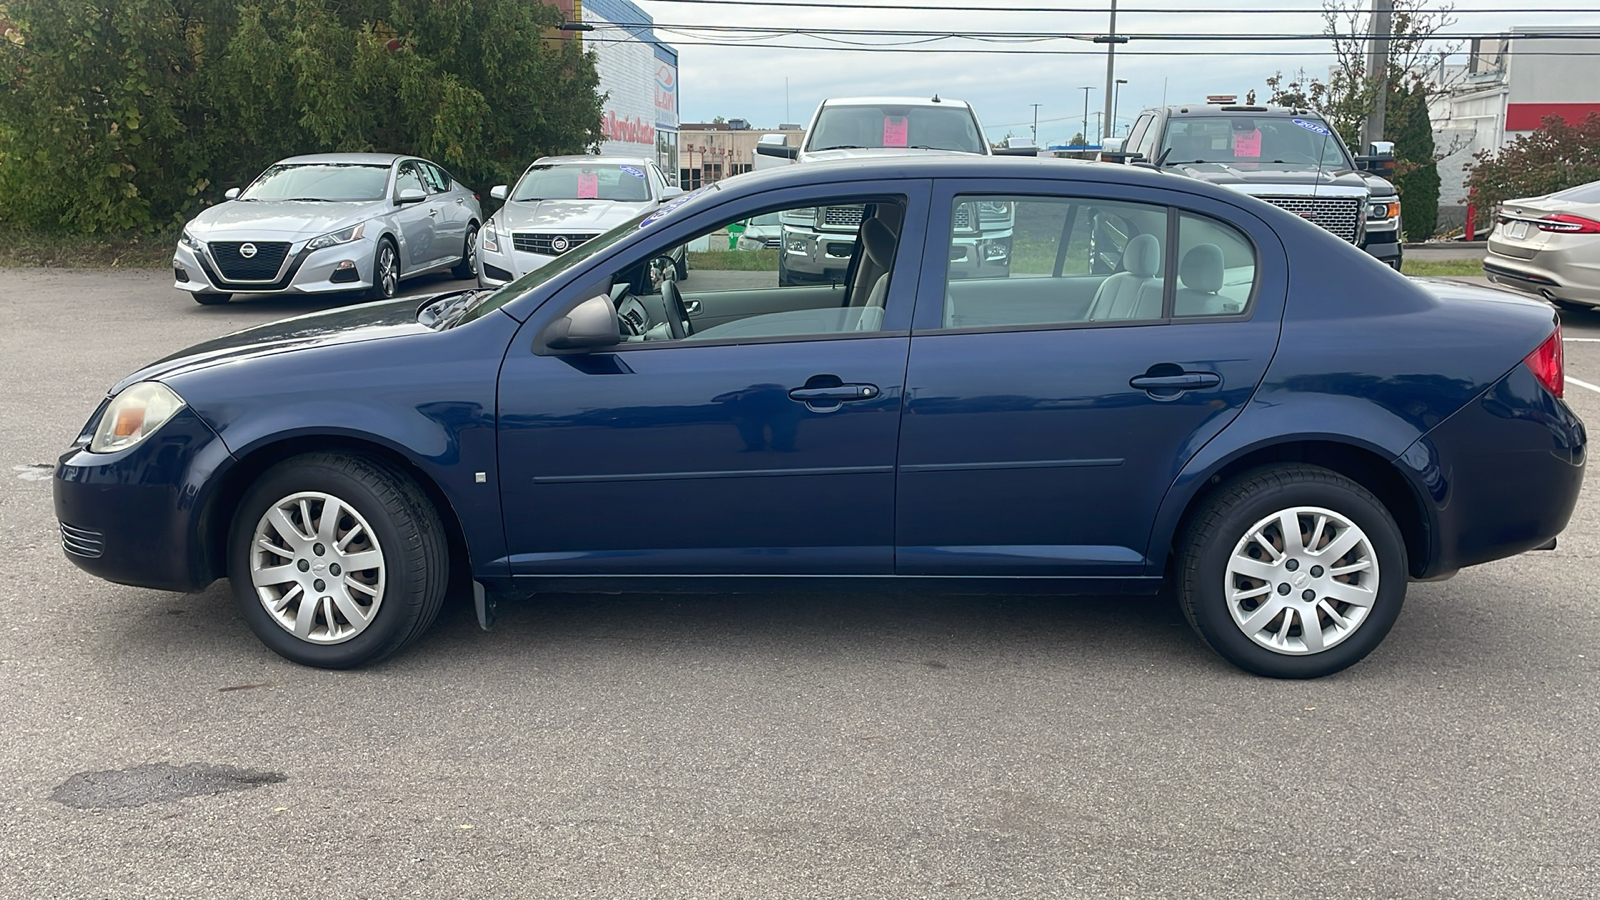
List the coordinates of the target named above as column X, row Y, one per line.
column 156, row 783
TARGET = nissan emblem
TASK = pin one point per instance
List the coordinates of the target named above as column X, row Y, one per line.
column 248, row 251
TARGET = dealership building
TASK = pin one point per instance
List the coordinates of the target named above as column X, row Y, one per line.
column 638, row 75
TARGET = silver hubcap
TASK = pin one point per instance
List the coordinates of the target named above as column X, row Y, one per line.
column 1301, row 580
column 386, row 273
column 317, row 568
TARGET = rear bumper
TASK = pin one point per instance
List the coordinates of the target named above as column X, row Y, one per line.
column 1528, row 276
column 138, row 517
column 1501, row 476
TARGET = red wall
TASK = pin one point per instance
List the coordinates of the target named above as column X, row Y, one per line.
column 1526, row 116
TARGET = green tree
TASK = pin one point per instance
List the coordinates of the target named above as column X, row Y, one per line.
column 1416, row 166
column 1555, row 156
column 120, row 115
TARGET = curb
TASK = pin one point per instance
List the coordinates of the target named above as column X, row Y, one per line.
column 1447, row 245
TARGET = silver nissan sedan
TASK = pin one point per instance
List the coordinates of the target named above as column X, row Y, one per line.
column 331, row 222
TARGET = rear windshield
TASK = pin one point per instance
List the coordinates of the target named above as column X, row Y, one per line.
column 332, row 182
column 1583, row 193
column 918, row 127
column 583, row 181
column 1252, row 141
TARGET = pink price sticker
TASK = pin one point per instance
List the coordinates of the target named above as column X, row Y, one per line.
column 588, row 186
column 895, row 131
column 1247, row 145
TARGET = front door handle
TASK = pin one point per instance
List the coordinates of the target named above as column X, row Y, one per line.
column 692, row 307
column 825, row 393
column 433, row 212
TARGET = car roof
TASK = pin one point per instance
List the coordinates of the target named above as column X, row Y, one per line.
column 1222, row 109
column 965, row 165
column 604, row 158
column 347, row 159
column 894, row 101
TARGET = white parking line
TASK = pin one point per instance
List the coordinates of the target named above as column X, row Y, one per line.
column 1583, row 384
column 1583, row 340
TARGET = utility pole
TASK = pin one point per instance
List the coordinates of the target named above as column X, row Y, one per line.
column 1378, row 69
column 1085, row 132
column 1111, row 40
column 1035, row 123
column 1116, row 96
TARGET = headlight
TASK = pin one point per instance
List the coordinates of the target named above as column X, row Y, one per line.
column 335, row 238
column 1383, row 209
column 994, row 210
column 803, row 216
column 190, row 241
column 491, row 237
column 134, row 415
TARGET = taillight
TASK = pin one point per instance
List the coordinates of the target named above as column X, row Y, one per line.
column 1565, row 224
column 1546, row 364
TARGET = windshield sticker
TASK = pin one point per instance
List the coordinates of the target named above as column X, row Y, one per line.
column 671, row 205
column 1313, row 127
column 630, row 170
column 588, row 186
column 1247, row 145
column 895, row 131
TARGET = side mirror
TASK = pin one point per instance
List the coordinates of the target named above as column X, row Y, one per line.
column 498, row 192
column 231, row 193
column 590, row 324
column 1112, row 145
column 412, row 195
column 669, row 192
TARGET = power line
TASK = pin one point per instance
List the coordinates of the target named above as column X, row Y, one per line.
column 898, row 48
column 797, row 31
column 1098, row 10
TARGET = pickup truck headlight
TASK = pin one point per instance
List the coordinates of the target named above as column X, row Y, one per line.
column 335, row 238
column 1382, row 210
column 994, row 211
column 804, row 216
column 491, row 237
column 134, row 415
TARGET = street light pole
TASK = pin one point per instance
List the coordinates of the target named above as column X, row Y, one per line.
column 1085, row 132
column 1116, row 96
column 1035, row 123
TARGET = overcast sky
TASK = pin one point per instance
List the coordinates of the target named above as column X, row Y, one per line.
column 749, row 82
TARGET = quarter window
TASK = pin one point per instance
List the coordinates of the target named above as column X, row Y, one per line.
column 438, row 181
column 1216, row 268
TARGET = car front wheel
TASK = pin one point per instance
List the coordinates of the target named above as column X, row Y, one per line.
column 337, row 560
column 385, row 271
column 1292, row 572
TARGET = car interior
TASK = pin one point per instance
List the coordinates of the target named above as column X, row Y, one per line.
column 1099, row 262
column 652, row 305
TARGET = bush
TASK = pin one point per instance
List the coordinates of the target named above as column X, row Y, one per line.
column 1553, row 157
column 123, row 115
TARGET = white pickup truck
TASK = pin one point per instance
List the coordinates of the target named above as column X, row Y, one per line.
column 816, row 244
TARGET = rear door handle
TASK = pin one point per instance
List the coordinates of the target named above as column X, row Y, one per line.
column 434, row 211
column 1186, row 381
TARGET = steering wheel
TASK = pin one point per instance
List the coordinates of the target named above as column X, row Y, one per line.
column 677, row 314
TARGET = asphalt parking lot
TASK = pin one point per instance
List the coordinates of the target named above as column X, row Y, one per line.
column 759, row 746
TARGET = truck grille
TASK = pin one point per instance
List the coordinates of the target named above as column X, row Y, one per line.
column 842, row 216
column 1342, row 215
column 548, row 244
column 262, row 265
column 963, row 217
column 82, row 541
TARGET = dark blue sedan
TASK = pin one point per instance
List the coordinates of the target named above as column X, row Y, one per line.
column 1033, row 375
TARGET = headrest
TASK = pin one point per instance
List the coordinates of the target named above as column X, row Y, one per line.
column 1201, row 269
column 1142, row 256
column 878, row 240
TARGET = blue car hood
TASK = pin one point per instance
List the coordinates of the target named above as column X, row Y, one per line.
column 353, row 324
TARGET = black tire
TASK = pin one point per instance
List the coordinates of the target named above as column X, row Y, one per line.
column 408, row 533
column 468, row 267
column 784, row 279
column 1208, row 541
column 681, row 266
column 210, row 299
column 384, row 289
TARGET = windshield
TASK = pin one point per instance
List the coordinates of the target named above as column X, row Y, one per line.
column 322, row 181
column 920, row 127
column 583, row 181
column 1252, row 141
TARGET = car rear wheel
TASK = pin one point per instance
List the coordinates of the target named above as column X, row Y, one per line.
column 468, row 267
column 210, row 299
column 1292, row 572
column 385, row 271
column 337, row 560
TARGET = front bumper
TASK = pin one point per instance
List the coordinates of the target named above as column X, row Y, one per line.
column 1384, row 245
column 141, row 516
column 505, row 264
column 808, row 255
column 346, row 267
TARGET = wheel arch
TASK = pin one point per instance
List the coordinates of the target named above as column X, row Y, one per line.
column 1363, row 465
column 217, row 518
